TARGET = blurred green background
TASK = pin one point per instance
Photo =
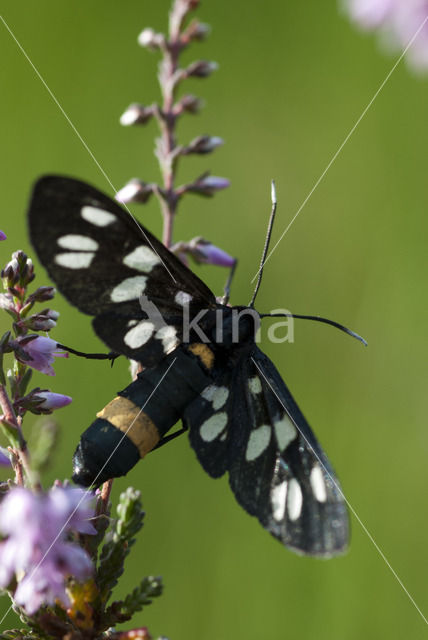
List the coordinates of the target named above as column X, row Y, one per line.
column 293, row 79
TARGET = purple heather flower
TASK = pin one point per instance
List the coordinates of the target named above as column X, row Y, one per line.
column 42, row 294
column 3, row 236
column 52, row 400
column 398, row 22
column 203, row 251
column 195, row 31
column 188, row 103
column 204, row 144
column 36, row 549
column 11, row 273
column 43, row 321
column 201, row 69
column 208, row 185
column 42, row 352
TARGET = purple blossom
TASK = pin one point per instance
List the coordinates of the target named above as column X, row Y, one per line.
column 398, row 22
column 52, row 400
column 207, row 185
column 3, row 236
column 36, row 550
column 208, row 253
column 42, row 352
column 203, row 144
column 201, row 69
column 43, row 321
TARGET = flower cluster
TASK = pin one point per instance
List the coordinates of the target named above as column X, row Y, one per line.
column 167, row 114
column 400, row 22
column 39, row 556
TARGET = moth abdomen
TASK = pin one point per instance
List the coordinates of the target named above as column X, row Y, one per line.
column 135, row 421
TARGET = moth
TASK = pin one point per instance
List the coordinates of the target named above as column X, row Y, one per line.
column 206, row 371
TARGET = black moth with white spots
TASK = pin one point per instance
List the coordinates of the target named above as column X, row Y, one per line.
column 240, row 415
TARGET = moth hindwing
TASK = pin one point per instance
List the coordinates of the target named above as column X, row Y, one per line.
column 240, row 415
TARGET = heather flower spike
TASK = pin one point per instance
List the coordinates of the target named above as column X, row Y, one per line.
column 168, row 151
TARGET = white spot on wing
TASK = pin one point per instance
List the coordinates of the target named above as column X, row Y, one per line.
column 318, row 483
column 139, row 335
column 183, row 298
column 212, row 427
column 278, row 499
column 285, row 432
column 168, row 335
column 129, row 289
column 79, row 243
column 74, row 260
column 255, row 385
column 258, row 441
column 295, row 499
column 98, row 217
column 142, row 259
column 216, row 395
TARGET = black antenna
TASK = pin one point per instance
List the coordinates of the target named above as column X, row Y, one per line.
column 316, row 319
column 266, row 247
column 226, row 296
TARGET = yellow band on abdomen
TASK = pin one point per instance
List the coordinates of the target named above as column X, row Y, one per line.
column 131, row 420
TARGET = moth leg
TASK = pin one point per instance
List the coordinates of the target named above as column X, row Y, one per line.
column 112, row 355
column 167, row 439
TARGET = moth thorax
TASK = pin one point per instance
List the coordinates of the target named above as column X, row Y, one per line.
column 237, row 325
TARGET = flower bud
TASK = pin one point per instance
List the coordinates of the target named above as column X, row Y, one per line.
column 10, row 273
column 42, row 294
column 151, row 39
column 3, row 236
column 207, row 185
column 6, row 302
column 47, row 401
column 136, row 114
column 203, row 144
column 195, row 31
column 43, row 321
column 204, row 252
column 201, row 69
column 188, row 103
column 135, row 191
column 19, row 270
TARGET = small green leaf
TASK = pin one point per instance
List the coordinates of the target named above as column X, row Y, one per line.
column 123, row 610
column 119, row 541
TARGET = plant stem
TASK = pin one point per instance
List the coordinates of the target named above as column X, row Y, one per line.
column 167, row 144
